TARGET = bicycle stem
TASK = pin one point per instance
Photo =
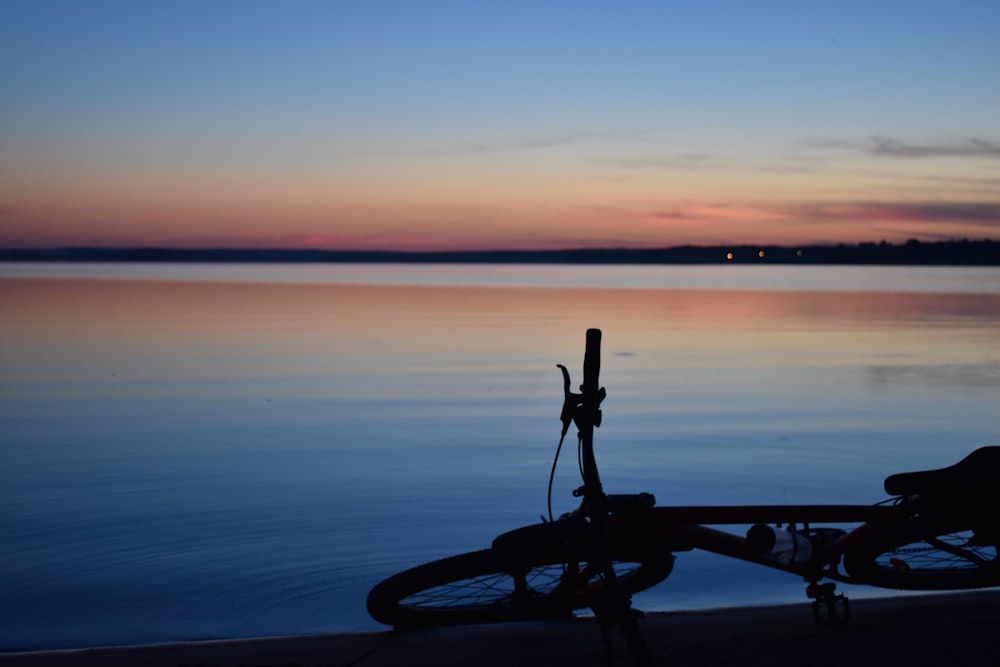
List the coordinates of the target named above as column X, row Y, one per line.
column 584, row 409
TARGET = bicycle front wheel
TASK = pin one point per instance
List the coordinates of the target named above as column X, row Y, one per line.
column 478, row 587
column 926, row 555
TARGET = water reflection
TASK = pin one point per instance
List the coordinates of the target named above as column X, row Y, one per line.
column 967, row 378
column 212, row 457
column 938, row 279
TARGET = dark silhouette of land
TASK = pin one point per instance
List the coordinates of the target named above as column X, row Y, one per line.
column 913, row 252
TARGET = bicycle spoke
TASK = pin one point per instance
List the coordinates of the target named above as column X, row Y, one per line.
column 957, row 551
column 471, row 592
column 942, row 552
column 497, row 588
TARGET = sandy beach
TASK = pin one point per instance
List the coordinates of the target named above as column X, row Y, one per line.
column 949, row 629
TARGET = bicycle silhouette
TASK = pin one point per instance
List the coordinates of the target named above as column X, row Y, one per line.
column 938, row 531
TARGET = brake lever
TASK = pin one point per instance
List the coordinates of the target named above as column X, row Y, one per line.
column 570, row 401
column 573, row 401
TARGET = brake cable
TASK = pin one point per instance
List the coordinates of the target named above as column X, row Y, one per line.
column 570, row 402
column 552, row 474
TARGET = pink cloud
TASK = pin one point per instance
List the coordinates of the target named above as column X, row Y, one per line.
column 984, row 213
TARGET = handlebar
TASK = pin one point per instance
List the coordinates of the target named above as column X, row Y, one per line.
column 591, row 362
column 585, row 410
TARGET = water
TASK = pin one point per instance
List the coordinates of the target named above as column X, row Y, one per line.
column 206, row 451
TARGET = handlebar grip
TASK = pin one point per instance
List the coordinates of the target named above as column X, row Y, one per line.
column 592, row 361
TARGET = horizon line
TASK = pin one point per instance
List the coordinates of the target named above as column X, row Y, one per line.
column 382, row 250
column 985, row 252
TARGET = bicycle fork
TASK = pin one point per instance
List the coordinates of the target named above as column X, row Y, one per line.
column 612, row 605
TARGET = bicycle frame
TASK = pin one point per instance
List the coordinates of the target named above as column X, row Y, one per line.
column 686, row 528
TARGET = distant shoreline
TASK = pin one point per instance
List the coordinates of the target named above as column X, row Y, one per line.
column 915, row 253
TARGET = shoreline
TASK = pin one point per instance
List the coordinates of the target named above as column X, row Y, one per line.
column 942, row 628
column 964, row 252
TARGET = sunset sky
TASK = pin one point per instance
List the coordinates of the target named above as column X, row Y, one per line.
column 477, row 124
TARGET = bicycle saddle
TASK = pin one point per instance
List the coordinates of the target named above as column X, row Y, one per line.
column 980, row 467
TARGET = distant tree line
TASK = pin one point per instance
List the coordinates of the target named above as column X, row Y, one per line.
column 957, row 253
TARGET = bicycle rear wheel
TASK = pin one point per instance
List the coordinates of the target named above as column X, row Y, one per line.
column 480, row 587
column 927, row 555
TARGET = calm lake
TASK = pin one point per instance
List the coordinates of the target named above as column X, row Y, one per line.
column 214, row 451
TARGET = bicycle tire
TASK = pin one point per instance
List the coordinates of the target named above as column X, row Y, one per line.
column 923, row 554
column 480, row 587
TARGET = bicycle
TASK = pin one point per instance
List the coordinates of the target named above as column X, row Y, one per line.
column 939, row 530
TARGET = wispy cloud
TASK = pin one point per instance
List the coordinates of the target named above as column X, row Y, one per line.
column 986, row 213
column 449, row 150
column 975, row 213
column 681, row 161
column 479, row 147
column 540, row 142
column 798, row 161
column 972, row 147
column 721, row 211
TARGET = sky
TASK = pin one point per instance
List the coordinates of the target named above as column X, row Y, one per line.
column 428, row 125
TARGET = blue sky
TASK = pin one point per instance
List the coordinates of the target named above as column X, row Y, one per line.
column 497, row 124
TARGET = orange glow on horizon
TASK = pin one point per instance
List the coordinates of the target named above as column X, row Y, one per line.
column 471, row 228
